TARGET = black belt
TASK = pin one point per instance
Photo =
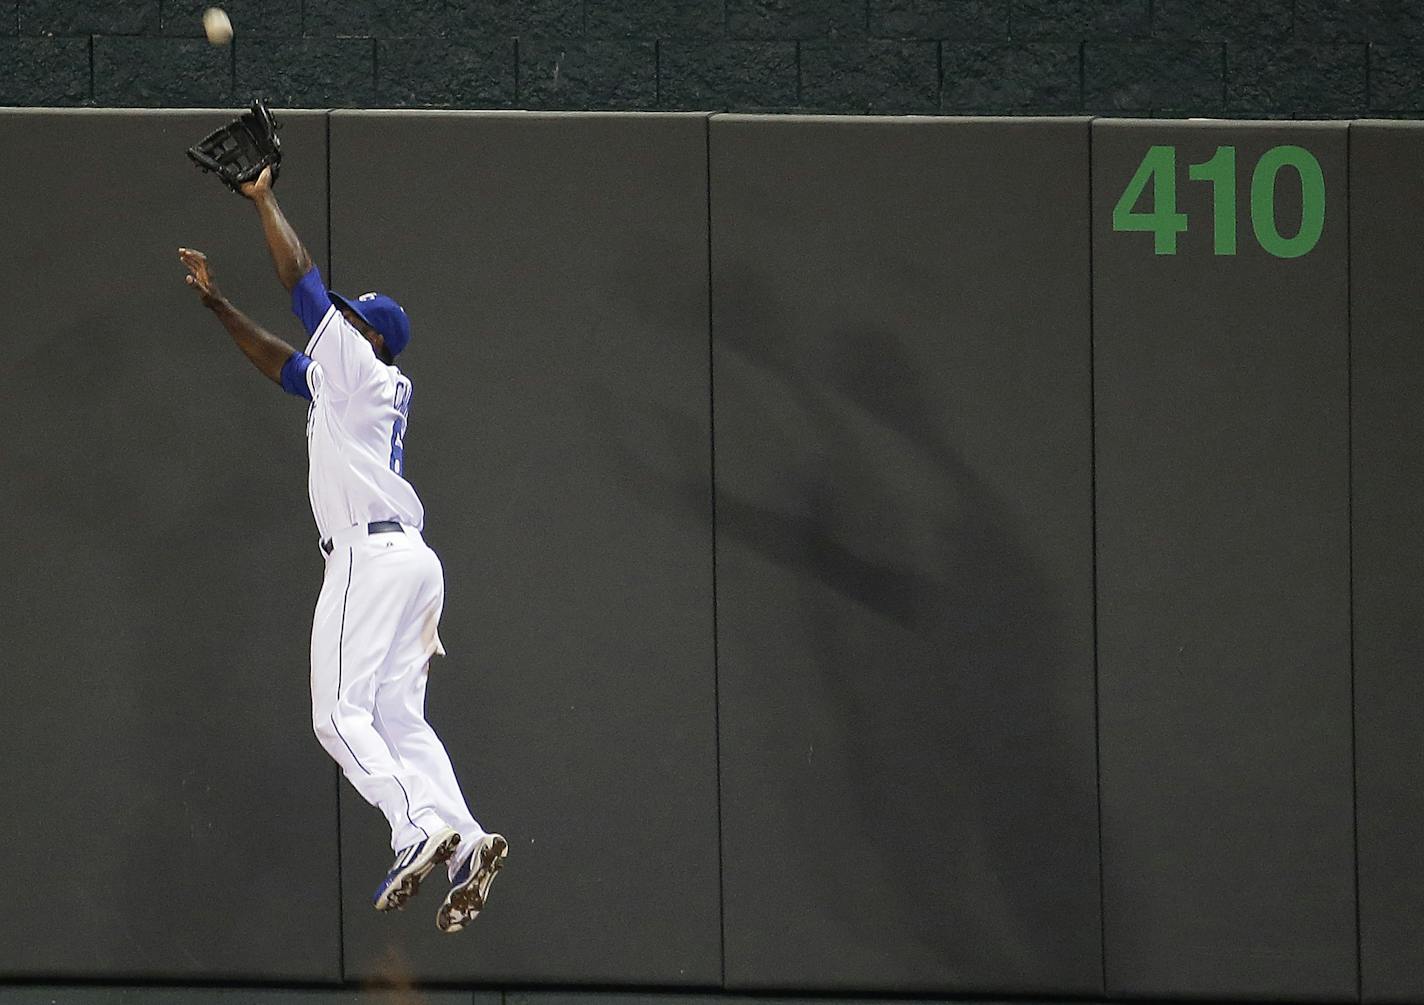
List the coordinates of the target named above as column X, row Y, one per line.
column 374, row 527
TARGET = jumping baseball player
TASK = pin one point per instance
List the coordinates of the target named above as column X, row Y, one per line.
column 375, row 626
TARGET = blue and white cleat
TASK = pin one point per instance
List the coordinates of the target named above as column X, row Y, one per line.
column 471, row 884
column 412, row 865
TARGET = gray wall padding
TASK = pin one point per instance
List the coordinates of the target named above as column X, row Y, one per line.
column 555, row 271
column 168, row 811
column 1387, row 305
column 1223, row 584
column 935, row 365
column 904, row 530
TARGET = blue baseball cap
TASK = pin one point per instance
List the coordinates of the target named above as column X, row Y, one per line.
column 381, row 313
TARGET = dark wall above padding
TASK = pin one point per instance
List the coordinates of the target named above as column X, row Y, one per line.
column 40, row 994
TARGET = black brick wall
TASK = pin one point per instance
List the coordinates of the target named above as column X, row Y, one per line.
column 1266, row 58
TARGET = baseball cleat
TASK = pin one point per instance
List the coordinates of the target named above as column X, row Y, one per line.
column 471, row 884
column 411, row 866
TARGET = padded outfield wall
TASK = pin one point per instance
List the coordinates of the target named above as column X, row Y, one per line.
column 883, row 555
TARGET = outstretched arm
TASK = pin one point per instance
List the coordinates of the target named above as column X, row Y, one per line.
column 288, row 255
column 266, row 351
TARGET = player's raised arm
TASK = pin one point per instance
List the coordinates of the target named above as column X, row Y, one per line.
column 278, row 361
column 288, row 254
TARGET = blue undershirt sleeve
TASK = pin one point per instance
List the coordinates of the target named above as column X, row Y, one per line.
column 309, row 300
column 294, row 375
column 344, row 360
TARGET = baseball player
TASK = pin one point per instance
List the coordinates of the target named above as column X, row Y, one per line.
column 375, row 626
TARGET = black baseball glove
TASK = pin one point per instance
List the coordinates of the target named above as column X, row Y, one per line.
column 239, row 151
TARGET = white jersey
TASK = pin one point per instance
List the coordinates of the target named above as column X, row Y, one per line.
column 356, row 422
column 376, row 623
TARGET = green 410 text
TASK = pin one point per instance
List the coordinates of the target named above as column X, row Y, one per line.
column 1164, row 223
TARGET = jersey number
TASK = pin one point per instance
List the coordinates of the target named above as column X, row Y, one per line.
column 402, row 407
column 398, row 446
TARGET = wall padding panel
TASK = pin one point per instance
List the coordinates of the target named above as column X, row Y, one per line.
column 1387, row 355
column 167, row 805
column 1223, row 579
column 904, row 537
column 555, row 271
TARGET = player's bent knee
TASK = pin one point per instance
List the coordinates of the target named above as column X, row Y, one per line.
column 324, row 726
column 392, row 708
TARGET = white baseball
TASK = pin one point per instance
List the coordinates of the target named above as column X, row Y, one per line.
column 217, row 26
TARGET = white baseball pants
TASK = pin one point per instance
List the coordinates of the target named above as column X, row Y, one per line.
column 372, row 639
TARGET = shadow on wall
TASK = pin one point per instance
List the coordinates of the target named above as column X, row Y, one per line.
column 879, row 605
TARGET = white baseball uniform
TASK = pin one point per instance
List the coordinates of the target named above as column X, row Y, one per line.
column 375, row 628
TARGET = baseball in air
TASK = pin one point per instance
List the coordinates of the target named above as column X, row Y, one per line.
column 217, row 26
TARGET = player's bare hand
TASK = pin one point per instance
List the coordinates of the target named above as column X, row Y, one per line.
column 255, row 190
column 199, row 276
